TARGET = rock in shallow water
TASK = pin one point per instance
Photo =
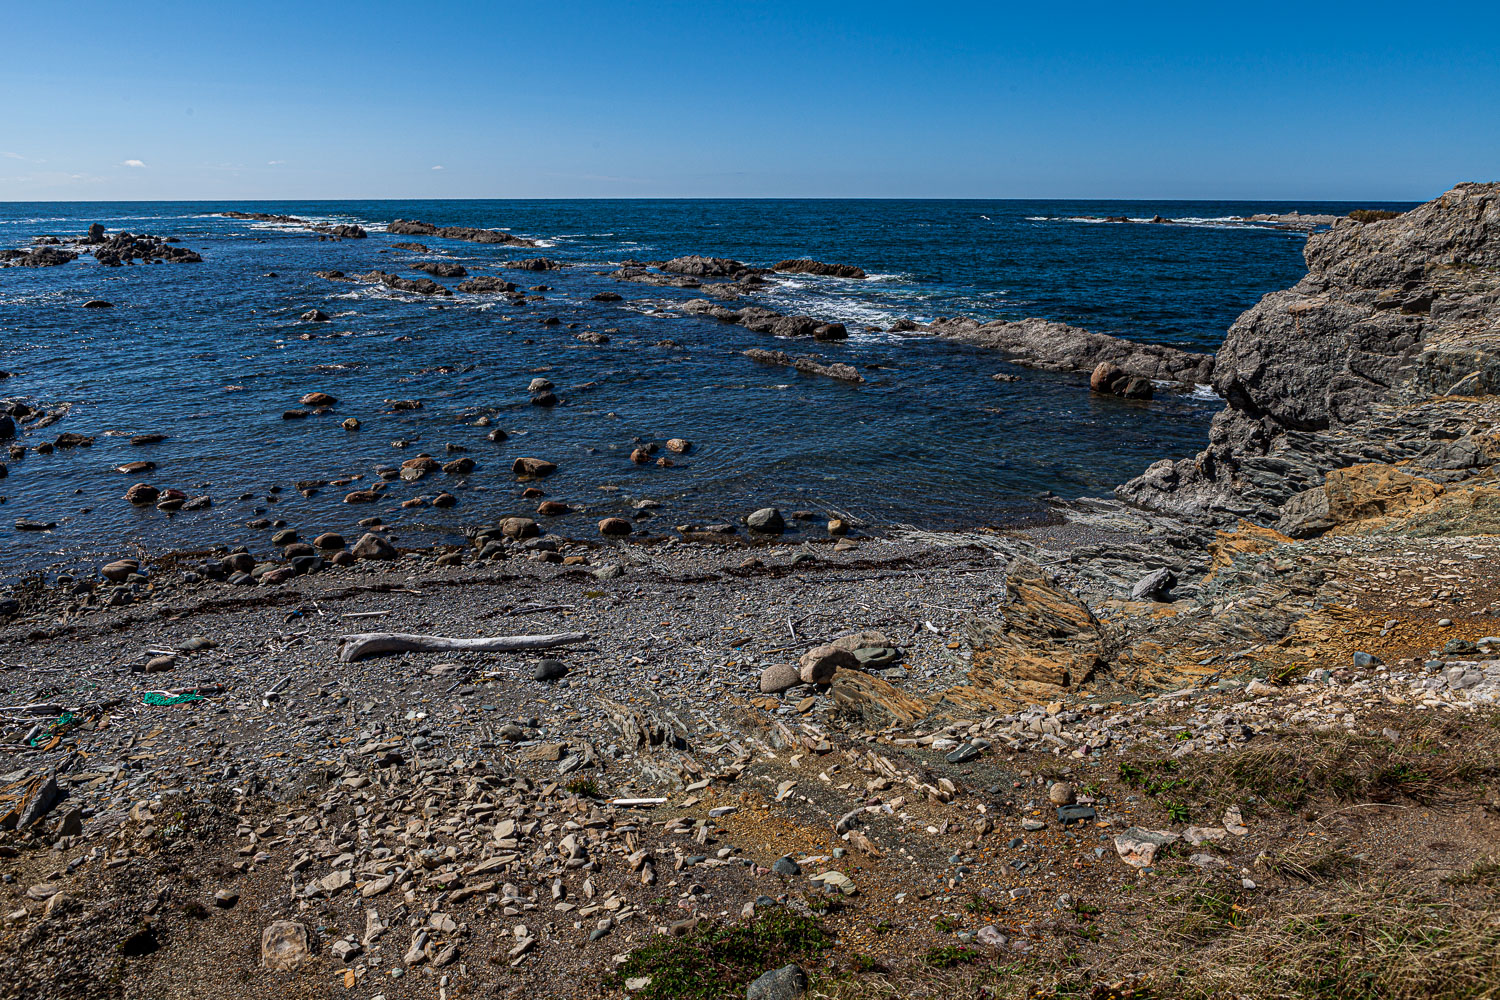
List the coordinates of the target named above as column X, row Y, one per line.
column 766, row 521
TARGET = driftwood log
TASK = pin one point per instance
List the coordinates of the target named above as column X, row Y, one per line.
column 362, row 644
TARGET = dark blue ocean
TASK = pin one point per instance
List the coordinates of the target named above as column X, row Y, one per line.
column 211, row 354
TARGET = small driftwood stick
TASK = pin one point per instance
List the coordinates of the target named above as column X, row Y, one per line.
column 365, row 644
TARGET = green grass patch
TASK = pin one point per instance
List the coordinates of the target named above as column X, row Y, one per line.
column 948, row 956
column 713, row 963
column 586, row 788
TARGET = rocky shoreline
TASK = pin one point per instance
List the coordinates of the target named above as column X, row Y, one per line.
column 1135, row 749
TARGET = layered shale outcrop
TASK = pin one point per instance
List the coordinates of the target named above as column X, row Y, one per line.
column 1379, row 367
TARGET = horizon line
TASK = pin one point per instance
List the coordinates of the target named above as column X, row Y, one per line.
column 850, row 198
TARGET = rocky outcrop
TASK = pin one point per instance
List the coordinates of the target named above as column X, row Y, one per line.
column 262, row 217
column 409, row 227
column 422, row 286
column 441, row 268
column 1058, row 347
column 42, row 256
column 486, row 283
column 808, row 266
column 1388, row 352
column 811, row 364
column 696, row 266
column 340, row 231
column 767, row 320
column 123, row 248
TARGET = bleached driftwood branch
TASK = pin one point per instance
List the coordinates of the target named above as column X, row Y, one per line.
column 362, row 644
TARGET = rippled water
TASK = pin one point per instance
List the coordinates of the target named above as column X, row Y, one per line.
column 211, row 355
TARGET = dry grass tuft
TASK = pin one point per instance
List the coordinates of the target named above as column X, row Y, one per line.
column 1376, row 941
column 1430, row 761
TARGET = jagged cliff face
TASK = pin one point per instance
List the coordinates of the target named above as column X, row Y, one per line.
column 1388, row 352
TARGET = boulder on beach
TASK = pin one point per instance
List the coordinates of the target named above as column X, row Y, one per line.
column 372, row 546
column 119, row 570
column 819, row 664
column 614, row 527
column 520, row 528
column 766, row 521
column 778, row 677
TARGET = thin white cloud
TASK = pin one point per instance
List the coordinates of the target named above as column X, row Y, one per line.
column 439, row 167
column 274, row 163
column 132, row 163
column 13, row 156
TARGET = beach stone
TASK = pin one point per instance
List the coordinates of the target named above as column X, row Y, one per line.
column 315, row 316
column 317, row 399
column 285, row 945
column 119, row 570
column 1137, row 847
column 877, row 658
column 778, row 677
column 344, row 558
column 459, row 466
column 964, row 754
column 553, row 508
column 540, row 385
column 520, row 528
column 838, row 526
column 284, row 537
column 533, row 467
column 767, row 521
column 444, row 500
column 991, row 936
column 784, row 983
column 819, row 664
column 1104, row 375
column 98, row 304
column 1154, row 586
column 1067, row 815
column 142, row 494
column 786, row 866
column 372, row 546
column 350, row 424
column 868, row 639
column 550, row 670
column 679, row 446
column 1061, row 793
column 613, row 526
column 329, row 540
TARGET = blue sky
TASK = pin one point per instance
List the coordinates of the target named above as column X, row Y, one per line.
column 228, row 100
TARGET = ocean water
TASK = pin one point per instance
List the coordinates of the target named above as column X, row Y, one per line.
column 211, row 355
